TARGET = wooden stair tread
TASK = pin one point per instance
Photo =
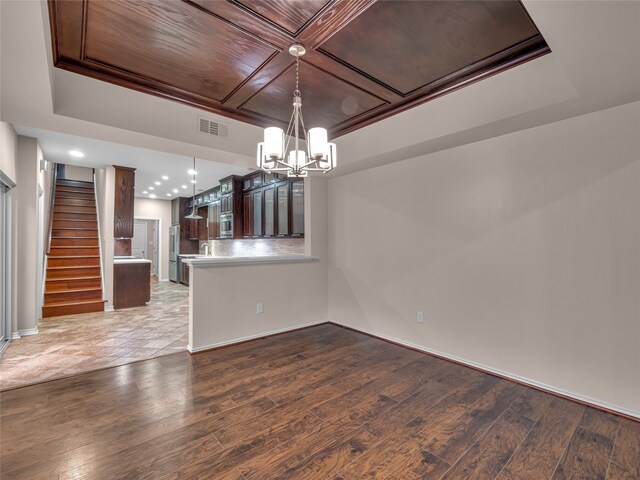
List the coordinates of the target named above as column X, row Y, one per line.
column 74, row 256
column 75, row 213
column 76, row 302
column 73, row 266
column 73, row 290
column 94, row 277
column 75, row 220
column 74, row 183
column 77, row 246
column 73, row 238
column 74, row 228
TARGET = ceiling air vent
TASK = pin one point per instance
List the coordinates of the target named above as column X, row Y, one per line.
column 209, row 127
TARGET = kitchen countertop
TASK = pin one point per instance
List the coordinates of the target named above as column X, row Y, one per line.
column 127, row 260
column 211, row 261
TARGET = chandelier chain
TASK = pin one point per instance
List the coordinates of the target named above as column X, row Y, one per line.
column 297, row 91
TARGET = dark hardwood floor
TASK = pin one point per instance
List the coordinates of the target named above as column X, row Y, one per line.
column 319, row 403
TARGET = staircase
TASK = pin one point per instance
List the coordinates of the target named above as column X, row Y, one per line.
column 73, row 283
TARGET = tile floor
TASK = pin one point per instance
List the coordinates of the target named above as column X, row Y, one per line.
column 73, row 344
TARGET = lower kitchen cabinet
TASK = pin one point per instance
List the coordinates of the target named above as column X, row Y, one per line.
column 131, row 284
column 184, row 273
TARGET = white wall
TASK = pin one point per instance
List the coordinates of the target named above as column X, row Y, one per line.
column 74, row 172
column 8, row 147
column 105, row 194
column 26, row 246
column 292, row 295
column 523, row 252
column 147, row 208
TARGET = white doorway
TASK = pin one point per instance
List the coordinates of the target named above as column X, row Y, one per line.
column 145, row 241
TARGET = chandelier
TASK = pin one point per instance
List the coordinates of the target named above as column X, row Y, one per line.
column 274, row 154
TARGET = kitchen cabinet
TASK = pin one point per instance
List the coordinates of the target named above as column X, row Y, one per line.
column 231, row 207
column 175, row 211
column 184, row 273
column 123, row 209
column 199, row 227
column 282, row 208
column 123, row 202
column 131, row 283
column 214, row 221
column 252, row 213
column 247, row 226
column 203, row 224
column 269, row 194
column 297, row 208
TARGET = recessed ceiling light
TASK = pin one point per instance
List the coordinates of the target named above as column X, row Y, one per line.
column 168, row 194
column 152, row 196
column 175, row 190
column 76, row 153
column 183, row 186
column 158, row 183
column 152, row 188
column 193, row 181
column 191, row 171
column 164, row 177
column 145, row 192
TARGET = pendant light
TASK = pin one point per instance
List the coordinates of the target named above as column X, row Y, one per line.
column 274, row 154
column 193, row 215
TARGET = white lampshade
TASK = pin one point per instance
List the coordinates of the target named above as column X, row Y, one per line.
column 297, row 158
column 264, row 162
column 273, row 142
column 329, row 161
column 318, row 146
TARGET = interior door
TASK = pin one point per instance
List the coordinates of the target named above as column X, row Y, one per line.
column 139, row 240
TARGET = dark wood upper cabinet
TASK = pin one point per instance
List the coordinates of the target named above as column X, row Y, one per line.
column 269, row 211
column 214, row 220
column 123, row 206
column 247, row 224
column 282, row 209
column 366, row 59
column 297, row 208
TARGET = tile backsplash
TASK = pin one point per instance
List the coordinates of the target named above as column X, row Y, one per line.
column 258, row 247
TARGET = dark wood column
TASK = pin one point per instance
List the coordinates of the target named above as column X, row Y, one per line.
column 123, row 210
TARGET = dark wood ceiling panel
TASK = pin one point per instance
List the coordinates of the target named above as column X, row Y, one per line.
column 366, row 60
column 326, row 100
column 407, row 45
column 282, row 13
column 172, row 43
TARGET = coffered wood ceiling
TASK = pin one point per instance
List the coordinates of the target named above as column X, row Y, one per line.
column 366, row 59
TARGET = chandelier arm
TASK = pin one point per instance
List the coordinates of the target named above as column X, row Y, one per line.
column 288, row 134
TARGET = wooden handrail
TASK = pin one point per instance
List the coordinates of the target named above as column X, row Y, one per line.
column 54, row 180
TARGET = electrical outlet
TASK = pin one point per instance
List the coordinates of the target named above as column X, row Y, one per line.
column 259, row 308
column 420, row 317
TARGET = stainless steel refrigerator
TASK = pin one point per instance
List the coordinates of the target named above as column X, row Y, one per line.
column 174, row 250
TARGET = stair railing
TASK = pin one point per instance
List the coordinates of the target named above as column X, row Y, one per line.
column 54, row 181
column 100, row 248
column 47, row 248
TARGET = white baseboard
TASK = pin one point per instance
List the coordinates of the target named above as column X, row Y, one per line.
column 163, row 279
column 501, row 373
column 24, row 333
column 3, row 346
column 108, row 308
column 190, row 349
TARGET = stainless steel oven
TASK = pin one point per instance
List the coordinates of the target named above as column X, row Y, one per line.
column 226, row 225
